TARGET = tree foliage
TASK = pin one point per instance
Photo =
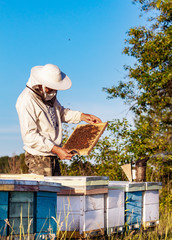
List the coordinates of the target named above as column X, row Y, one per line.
column 148, row 90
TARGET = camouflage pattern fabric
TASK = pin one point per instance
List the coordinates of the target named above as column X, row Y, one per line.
column 42, row 165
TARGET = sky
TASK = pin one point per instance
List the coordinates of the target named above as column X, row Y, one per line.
column 84, row 38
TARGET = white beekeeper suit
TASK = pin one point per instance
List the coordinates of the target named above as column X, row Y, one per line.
column 40, row 122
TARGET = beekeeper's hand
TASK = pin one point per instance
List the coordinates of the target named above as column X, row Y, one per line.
column 90, row 118
column 62, row 153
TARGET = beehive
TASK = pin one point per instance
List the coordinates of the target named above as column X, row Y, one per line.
column 115, row 209
column 85, row 137
column 141, row 205
column 128, row 207
column 81, row 205
column 27, row 205
column 151, row 204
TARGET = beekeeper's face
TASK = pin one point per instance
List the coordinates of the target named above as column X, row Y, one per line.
column 49, row 90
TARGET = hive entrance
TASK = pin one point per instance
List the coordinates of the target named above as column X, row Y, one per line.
column 85, row 137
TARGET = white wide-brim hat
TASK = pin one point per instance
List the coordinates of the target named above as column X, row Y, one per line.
column 51, row 76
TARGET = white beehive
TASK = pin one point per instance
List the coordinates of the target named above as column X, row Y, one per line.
column 115, row 210
column 151, row 204
column 81, row 205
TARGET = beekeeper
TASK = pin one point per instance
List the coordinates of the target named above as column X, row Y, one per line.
column 41, row 117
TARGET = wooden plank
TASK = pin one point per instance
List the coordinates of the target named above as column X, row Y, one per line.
column 133, row 207
column 151, row 197
column 46, row 206
column 69, row 221
column 116, row 217
column 153, row 185
column 85, row 137
column 3, row 212
column 68, row 203
column 4, row 198
column 20, row 202
column 69, row 192
column 21, row 197
column 133, row 218
column 96, row 191
column 94, row 202
column 151, row 212
column 6, row 187
column 82, row 192
column 134, row 196
column 22, row 176
column 115, row 199
column 49, row 188
column 15, row 209
column 98, row 223
column 26, row 188
column 46, row 194
column 46, row 225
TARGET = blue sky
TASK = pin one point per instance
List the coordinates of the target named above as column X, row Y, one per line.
column 85, row 38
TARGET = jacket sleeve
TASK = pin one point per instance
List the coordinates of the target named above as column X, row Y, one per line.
column 29, row 129
column 68, row 115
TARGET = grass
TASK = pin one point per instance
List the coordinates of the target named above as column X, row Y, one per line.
column 163, row 231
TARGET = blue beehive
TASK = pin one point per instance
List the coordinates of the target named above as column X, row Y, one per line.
column 133, row 208
column 28, row 206
column 45, row 211
column 3, row 212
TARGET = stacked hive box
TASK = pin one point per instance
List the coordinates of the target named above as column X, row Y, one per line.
column 3, row 212
column 27, row 206
column 151, row 204
column 141, row 205
column 130, row 194
column 115, row 204
column 81, row 205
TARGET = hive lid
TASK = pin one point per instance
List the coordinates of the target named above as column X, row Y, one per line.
column 80, row 180
column 30, row 177
column 85, row 137
column 81, row 185
column 153, row 185
column 127, row 186
column 27, row 182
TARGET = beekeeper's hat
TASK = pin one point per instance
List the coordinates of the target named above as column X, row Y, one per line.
column 50, row 76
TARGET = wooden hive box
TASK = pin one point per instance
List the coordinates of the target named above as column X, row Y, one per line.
column 32, row 203
column 3, row 212
column 151, row 204
column 115, row 209
column 81, row 200
column 131, row 213
column 85, row 137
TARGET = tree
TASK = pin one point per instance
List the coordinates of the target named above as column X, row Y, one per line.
column 148, row 89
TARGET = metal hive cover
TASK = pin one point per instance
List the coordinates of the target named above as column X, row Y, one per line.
column 85, row 137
